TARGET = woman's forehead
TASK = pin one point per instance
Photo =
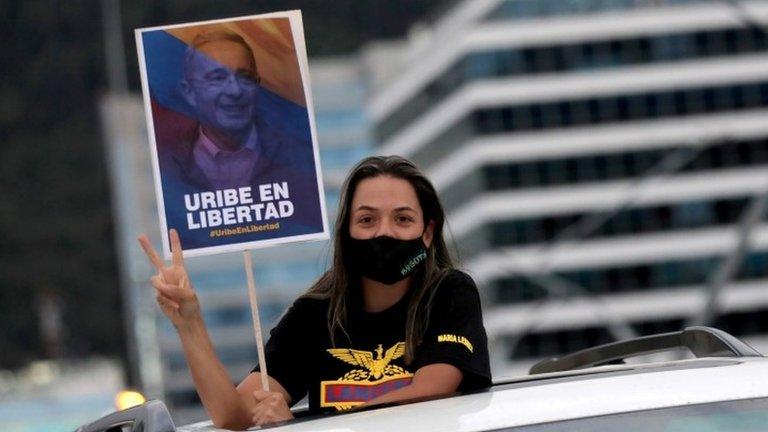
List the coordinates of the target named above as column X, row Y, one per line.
column 385, row 193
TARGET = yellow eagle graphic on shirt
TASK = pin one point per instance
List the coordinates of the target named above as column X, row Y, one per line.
column 376, row 376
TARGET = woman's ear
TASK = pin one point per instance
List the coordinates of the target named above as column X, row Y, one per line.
column 429, row 232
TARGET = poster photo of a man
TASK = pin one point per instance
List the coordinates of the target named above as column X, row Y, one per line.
column 232, row 132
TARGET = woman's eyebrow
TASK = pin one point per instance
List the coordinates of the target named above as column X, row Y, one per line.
column 405, row 208
column 370, row 208
column 365, row 207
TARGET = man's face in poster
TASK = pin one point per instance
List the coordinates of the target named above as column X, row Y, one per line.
column 221, row 84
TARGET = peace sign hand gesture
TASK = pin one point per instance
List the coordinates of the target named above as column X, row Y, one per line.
column 175, row 293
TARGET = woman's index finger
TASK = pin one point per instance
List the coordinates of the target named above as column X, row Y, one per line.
column 176, row 252
column 151, row 252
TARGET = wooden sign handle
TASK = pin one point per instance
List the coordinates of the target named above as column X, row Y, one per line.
column 256, row 320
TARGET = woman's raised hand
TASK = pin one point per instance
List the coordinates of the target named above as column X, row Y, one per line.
column 175, row 294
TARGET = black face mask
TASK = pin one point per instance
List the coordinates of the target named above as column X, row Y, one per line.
column 386, row 259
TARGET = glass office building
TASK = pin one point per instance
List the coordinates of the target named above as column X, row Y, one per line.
column 281, row 273
column 603, row 164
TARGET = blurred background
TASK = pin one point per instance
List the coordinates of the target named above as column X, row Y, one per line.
column 603, row 164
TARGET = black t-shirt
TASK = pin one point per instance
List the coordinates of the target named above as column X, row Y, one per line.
column 369, row 360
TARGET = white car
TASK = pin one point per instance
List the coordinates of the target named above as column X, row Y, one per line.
column 723, row 388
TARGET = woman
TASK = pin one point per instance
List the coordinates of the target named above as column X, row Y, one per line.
column 390, row 320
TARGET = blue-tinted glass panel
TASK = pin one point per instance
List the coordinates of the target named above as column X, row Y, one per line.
column 516, row 10
column 614, row 108
column 334, row 120
column 685, row 215
column 585, row 169
column 612, row 280
column 343, row 157
column 588, row 55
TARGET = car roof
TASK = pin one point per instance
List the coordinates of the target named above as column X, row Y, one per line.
column 558, row 396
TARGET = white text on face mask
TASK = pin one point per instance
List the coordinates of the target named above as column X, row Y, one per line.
column 413, row 263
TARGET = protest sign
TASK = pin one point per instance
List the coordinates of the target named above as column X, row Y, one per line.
column 232, row 133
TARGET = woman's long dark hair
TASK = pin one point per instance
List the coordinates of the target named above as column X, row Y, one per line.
column 334, row 285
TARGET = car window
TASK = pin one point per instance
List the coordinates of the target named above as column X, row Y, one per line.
column 749, row 415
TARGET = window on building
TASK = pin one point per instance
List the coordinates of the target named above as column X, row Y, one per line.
column 586, row 55
column 520, row 288
column 617, row 166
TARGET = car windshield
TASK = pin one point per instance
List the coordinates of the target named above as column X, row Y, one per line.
column 749, row 415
